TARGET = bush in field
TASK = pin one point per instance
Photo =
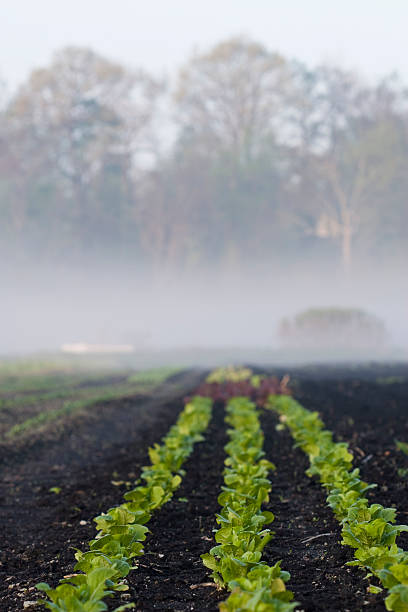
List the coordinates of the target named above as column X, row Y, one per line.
column 333, row 328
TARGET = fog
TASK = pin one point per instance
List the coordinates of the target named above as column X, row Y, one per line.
column 233, row 210
column 45, row 306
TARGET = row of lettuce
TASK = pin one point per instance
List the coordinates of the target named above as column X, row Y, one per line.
column 368, row 528
column 236, row 559
column 101, row 570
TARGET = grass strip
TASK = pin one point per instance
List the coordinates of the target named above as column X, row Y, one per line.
column 144, row 382
column 38, row 383
column 236, row 560
column 101, row 570
column 155, row 376
column 70, row 392
column 7, row 404
column 54, row 383
column 369, row 529
column 69, row 407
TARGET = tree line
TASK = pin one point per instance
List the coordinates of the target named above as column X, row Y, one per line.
column 244, row 155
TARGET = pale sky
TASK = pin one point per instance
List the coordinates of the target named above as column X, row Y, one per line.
column 159, row 35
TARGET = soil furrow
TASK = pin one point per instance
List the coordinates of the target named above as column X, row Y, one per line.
column 180, row 532
column 369, row 417
column 319, row 578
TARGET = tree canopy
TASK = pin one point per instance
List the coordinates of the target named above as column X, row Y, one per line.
column 250, row 156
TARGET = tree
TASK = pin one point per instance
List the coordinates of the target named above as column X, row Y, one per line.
column 229, row 108
column 68, row 124
column 351, row 180
column 323, row 103
column 230, row 97
column 178, row 215
column 347, row 153
column 12, row 207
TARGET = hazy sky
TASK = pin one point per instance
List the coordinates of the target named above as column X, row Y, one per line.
column 159, row 35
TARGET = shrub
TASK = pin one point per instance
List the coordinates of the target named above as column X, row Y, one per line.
column 333, row 328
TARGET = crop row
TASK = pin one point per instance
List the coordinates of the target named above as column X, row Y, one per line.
column 236, row 560
column 101, row 570
column 369, row 529
column 242, row 536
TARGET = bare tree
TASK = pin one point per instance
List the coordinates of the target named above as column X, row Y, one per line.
column 347, row 153
column 73, row 119
column 84, row 104
column 230, row 97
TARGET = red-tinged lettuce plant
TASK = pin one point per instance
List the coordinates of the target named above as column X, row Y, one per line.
column 257, row 388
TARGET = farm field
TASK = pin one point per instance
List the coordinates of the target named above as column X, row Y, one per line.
column 72, row 445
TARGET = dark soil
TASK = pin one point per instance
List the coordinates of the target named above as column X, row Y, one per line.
column 39, row 527
column 307, row 536
column 171, row 576
column 82, row 457
column 370, row 416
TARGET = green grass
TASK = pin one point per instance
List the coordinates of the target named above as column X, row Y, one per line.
column 68, row 408
column 38, row 398
column 155, row 376
column 16, row 380
column 47, row 382
column 85, row 398
column 45, row 417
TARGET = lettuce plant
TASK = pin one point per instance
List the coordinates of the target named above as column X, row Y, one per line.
column 236, row 560
column 101, row 570
column 369, row 529
column 229, row 373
